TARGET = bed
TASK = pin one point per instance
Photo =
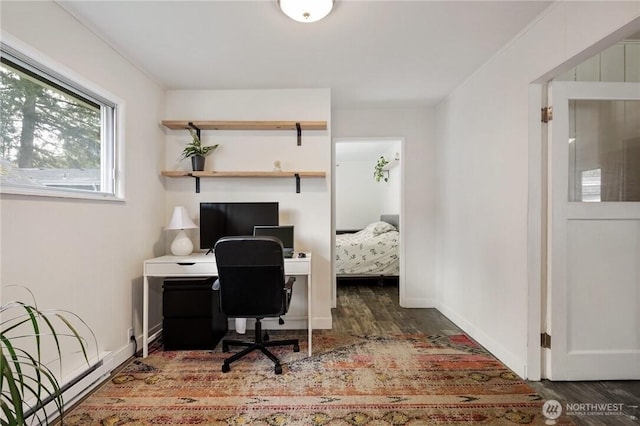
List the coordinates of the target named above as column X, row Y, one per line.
column 370, row 253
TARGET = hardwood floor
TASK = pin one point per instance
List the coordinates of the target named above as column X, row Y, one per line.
column 372, row 309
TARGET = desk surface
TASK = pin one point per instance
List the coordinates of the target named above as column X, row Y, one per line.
column 202, row 257
column 201, row 264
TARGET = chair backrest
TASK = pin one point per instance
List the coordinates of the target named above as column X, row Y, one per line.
column 251, row 275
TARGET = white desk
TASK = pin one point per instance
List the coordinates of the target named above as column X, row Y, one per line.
column 201, row 265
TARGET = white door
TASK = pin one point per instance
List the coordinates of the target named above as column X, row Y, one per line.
column 594, row 232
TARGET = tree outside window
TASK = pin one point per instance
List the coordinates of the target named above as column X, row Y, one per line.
column 52, row 135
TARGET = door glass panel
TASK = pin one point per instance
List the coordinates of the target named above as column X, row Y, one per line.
column 604, row 150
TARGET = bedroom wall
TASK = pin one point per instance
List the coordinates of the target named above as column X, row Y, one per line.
column 359, row 199
column 86, row 256
column 483, row 176
column 309, row 211
column 417, row 128
column 392, row 188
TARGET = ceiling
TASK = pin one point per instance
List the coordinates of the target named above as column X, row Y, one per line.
column 371, row 54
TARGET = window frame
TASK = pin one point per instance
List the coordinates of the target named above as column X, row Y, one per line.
column 112, row 122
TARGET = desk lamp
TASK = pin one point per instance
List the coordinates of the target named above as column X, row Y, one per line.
column 181, row 245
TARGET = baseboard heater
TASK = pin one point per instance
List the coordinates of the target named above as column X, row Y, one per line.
column 76, row 388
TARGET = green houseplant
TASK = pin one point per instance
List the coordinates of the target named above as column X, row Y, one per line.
column 196, row 151
column 27, row 384
column 378, row 171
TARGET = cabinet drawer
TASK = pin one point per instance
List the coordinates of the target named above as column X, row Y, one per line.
column 184, row 299
column 297, row 267
column 181, row 269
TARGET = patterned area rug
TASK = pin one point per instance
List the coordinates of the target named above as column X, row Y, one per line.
column 350, row 381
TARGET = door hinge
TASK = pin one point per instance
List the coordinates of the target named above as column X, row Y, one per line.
column 545, row 340
column 547, row 114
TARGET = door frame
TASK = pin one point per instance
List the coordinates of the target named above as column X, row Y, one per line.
column 562, row 364
column 401, row 274
column 537, row 220
column 537, row 231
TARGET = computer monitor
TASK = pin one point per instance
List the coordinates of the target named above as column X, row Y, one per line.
column 283, row 232
column 219, row 220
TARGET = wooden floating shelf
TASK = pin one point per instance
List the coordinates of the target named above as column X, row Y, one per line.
column 243, row 174
column 175, row 173
column 237, row 174
column 245, row 125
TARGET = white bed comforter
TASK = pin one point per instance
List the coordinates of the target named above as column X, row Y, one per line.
column 374, row 250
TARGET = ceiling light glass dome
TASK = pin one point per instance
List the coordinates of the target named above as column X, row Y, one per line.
column 306, row 10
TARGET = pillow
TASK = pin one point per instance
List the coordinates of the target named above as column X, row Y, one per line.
column 377, row 228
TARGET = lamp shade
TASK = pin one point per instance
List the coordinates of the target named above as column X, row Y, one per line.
column 181, row 219
column 306, row 10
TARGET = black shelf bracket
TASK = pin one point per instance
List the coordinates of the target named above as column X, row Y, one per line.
column 197, row 178
column 299, row 130
column 297, row 175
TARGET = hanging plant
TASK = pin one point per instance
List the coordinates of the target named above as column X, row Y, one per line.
column 379, row 172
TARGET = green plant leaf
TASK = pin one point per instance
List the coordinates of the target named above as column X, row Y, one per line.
column 23, row 376
column 378, row 171
column 195, row 147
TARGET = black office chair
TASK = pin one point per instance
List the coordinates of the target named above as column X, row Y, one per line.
column 252, row 285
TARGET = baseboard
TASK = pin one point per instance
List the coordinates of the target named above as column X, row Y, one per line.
column 290, row 323
column 417, row 302
column 322, row 323
column 515, row 363
column 79, row 383
column 296, row 322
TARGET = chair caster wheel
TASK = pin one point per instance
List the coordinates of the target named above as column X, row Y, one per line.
column 226, row 368
column 265, row 338
column 296, row 348
column 278, row 369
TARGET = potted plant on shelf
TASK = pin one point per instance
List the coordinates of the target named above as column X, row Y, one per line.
column 28, row 384
column 378, row 171
column 196, row 151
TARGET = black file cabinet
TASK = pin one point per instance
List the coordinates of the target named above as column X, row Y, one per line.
column 191, row 317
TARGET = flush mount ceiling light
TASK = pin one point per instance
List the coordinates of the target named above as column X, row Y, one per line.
column 306, row 10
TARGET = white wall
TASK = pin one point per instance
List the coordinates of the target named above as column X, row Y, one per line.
column 483, row 172
column 86, row 256
column 416, row 128
column 359, row 199
column 392, row 188
column 309, row 211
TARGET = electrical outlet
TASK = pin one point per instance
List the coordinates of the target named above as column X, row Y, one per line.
column 130, row 334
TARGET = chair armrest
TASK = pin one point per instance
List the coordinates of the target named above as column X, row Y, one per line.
column 288, row 285
column 288, row 290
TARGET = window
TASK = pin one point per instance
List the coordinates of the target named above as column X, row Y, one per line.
column 591, row 185
column 604, row 150
column 56, row 136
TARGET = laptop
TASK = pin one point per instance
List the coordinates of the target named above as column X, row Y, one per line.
column 283, row 232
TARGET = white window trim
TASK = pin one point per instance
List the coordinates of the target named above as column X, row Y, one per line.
column 119, row 115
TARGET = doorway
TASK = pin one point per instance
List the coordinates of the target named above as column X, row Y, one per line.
column 584, row 285
column 594, row 231
column 361, row 200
